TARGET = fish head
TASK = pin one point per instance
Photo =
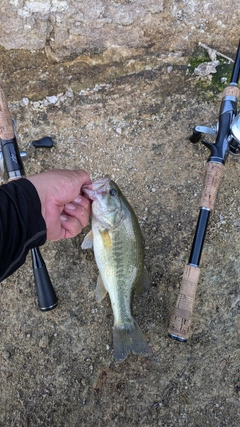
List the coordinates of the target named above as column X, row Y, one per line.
column 107, row 201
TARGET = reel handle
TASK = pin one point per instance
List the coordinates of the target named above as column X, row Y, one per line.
column 45, row 142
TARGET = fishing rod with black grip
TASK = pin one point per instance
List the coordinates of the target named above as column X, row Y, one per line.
column 46, row 296
column 180, row 322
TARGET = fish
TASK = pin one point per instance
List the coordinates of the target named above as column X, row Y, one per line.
column 118, row 248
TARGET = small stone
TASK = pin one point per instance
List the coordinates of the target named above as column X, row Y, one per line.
column 6, row 354
column 44, row 342
column 52, row 99
column 45, row 103
column 69, row 93
column 236, row 223
column 206, row 68
column 36, row 104
column 24, row 102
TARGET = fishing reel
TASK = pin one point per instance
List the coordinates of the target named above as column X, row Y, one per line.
column 233, row 139
column 45, row 142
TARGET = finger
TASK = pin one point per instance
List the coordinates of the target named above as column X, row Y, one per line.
column 71, row 227
column 83, row 201
column 79, row 212
column 83, row 176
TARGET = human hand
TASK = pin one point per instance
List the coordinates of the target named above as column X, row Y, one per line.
column 65, row 210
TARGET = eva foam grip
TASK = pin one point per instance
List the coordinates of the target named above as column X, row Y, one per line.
column 180, row 322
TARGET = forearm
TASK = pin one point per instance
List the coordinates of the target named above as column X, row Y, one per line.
column 22, row 226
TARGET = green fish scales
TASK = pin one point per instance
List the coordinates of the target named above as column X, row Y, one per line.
column 118, row 248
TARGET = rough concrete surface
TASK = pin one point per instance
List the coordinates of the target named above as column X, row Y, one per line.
column 75, row 27
column 132, row 122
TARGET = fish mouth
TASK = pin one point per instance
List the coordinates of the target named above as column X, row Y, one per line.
column 97, row 187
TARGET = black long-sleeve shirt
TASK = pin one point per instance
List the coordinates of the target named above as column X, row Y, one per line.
column 22, row 226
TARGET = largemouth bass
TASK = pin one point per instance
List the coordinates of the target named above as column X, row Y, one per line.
column 119, row 253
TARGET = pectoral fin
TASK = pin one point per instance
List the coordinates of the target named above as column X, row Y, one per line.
column 88, row 241
column 101, row 291
column 143, row 284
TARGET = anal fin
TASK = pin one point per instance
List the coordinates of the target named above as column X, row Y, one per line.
column 101, row 291
column 143, row 283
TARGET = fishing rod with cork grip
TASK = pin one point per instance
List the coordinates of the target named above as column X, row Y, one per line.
column 11, row 163
column 227, row 134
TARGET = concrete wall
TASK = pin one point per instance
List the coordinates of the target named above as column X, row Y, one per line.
column 74, row 27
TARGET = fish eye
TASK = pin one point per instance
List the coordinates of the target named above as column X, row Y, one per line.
column 113, row 192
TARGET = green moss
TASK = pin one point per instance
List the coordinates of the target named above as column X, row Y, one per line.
column 199, row 56
column 215, row 85
column 223, row 71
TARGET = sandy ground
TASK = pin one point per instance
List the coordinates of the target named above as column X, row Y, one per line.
column 57, row 368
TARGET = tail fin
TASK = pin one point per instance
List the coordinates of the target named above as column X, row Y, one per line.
column 129, row 338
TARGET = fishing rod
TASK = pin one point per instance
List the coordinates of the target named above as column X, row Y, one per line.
column 227, row 140
column 12, row 165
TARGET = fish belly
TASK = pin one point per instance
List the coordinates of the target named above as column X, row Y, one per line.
column 120, row 263
column 117, row 260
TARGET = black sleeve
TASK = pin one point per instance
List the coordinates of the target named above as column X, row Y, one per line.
column 22, row 226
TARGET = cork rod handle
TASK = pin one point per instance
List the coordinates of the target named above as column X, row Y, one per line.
column 180, row 322
column 6, row 125
column 214, row 173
